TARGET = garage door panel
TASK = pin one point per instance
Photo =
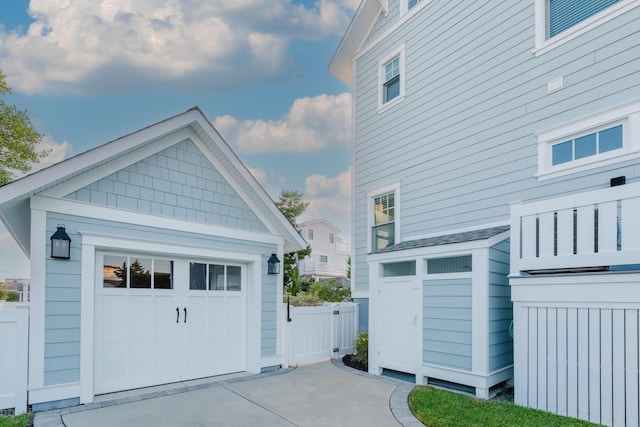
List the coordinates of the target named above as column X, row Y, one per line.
column 139, row 342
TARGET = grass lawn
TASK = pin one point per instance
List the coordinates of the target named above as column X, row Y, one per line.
column 440, row 408
column 19, row 421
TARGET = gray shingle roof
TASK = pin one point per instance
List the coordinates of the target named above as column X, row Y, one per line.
column 446, row 239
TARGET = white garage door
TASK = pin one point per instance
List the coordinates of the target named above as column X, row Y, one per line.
column 161, row 320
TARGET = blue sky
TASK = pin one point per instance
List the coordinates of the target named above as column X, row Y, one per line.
column 90, row 72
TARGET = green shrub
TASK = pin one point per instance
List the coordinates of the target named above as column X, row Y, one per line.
column 304, row 299
column 362, row 347
column 12, row 296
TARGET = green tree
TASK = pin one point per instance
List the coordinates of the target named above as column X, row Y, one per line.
column 291, row 205
column 18, row 139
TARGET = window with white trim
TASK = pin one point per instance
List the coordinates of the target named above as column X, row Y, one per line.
column 391, row 79
column 310, row 234
column 332, row 238
column 558, row 21
column 412, row 3
column 602, row 139
column 383, row 230
column 587, row 145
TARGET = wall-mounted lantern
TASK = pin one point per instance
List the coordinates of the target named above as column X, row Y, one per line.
column 273, row 265
column 60, row 244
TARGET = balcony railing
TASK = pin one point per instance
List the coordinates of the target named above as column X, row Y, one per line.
column 586, row 231
column 322, row 268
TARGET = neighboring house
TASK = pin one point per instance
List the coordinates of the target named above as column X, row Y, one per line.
column 21, row 286
column 167, row 277
column 487, row 139
column 329, row 254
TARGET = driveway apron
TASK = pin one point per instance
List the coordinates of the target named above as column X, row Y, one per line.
column 317, row 394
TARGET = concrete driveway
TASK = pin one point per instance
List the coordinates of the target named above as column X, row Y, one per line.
column 319, row 394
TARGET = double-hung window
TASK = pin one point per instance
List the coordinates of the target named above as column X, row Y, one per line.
column 391, row 85
column 558, row 21
column 391, row 80
column 383, row 230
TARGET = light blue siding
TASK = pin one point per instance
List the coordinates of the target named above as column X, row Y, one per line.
column 62, row 290
column 463, row 143
column 447, row 323
column 363, row 314
column 178, row 182
column 500, row 308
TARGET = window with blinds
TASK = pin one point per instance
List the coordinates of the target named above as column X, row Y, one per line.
column 564, row 14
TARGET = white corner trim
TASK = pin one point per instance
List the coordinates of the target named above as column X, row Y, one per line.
column 544, row 45
column 88, row 279
column 72, row 207
column 38, row 261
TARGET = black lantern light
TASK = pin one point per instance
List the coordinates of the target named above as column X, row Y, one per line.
column 273, row 265
column 60, row 244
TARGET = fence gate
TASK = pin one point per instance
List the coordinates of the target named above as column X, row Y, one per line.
column 14, row 334
column 327, row 331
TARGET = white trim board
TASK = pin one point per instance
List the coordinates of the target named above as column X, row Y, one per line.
column 72, row 207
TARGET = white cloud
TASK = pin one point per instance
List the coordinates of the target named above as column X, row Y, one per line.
column 329, row 198
column 271, row 181
column 311, row 124
column 81, row 46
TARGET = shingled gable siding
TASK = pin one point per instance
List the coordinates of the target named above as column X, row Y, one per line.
column 62, row 295
column 178, row 182
column 462, row 145
column 500, row 307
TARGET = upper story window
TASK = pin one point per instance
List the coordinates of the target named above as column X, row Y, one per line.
column 564, row 14
column 324, row 258
column 558, row 21
column 391, row 85
column 587, row 145
column 332, row 238
column 391, row 79
column 606, row 138
column 310, row 234
column 411, row 3
column 383, row 221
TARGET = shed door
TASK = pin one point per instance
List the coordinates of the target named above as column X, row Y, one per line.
column 159, row 320
column 398, row 321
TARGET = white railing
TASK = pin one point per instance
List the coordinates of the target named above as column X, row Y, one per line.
column 594, row 229
column 14, row 343
column 322, row 268
column 314, row 333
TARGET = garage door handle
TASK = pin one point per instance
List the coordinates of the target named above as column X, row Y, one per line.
column 185, row 315
column 177, row 314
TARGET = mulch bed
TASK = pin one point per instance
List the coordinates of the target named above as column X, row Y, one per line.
column 353, row 362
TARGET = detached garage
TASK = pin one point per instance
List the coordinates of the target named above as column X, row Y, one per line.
column 166, row 275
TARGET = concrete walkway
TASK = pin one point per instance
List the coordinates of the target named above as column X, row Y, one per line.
column 317, row 394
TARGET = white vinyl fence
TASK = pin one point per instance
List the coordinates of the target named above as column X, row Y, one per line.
column 14, row 341
column 320, row 332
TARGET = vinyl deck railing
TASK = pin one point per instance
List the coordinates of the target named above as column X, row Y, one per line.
column 591, row 230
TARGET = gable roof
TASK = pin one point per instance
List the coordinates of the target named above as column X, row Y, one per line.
column 320, row 221
column 354, row 38
column 14, row 197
